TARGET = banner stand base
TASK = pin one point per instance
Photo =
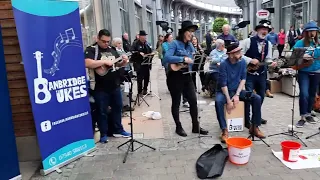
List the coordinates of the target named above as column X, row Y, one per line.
column 57, row 168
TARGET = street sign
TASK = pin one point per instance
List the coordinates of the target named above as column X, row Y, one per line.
column 263, row 14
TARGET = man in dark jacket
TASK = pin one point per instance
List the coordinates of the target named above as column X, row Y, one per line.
column 143, row 70
column 125, row 42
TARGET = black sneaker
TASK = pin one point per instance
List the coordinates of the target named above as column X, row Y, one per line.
column 300, row 123
column 310, row 120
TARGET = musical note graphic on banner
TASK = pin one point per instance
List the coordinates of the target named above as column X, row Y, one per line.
column 64, row 40
column 72, row 37
column 61, row 41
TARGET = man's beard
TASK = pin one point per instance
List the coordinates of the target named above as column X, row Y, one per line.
column 262, row 36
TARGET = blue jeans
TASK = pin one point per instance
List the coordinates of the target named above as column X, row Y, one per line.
column 257, row 83
column 103, row 101
column 308, row 85
column 255, row 102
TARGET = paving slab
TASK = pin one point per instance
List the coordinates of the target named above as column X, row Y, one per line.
column 176, row 161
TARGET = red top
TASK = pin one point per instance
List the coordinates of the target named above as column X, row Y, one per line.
column 281, row 38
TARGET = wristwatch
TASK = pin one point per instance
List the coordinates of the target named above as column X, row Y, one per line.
column 238, row 94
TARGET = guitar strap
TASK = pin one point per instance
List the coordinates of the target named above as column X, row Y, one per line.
column 90, row 72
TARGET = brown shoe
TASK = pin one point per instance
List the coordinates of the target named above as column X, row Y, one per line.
column 256, row 131
column 269, row 94
column 224, row 136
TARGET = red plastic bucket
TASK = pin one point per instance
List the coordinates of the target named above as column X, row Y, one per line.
column 290, row 150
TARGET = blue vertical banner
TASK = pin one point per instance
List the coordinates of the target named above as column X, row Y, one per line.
column 9, row 166
column 50, row 40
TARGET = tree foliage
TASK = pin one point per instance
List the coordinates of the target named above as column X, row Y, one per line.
column 218, row 23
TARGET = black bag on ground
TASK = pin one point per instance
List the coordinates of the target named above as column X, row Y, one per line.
column 211, row 163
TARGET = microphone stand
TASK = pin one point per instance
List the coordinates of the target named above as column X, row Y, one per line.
column 297, row 56
column 131, row 141
column 199, row 117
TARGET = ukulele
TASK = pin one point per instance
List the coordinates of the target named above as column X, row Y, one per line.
column 103, row 70
column 40, row 83
column 254, row 67
column 306, row 62
column 179, row 66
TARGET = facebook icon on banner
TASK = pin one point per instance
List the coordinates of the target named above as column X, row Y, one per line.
column 45, row 126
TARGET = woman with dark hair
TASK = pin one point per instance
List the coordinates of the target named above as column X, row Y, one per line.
column 308, row 77
column 179, row 58
column 165, row 46
column 195, row 67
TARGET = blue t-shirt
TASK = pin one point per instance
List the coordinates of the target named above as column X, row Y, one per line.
column 230, row 75
column 316, row 64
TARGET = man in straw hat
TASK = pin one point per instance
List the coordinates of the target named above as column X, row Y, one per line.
column 231, row 84
column 257, row 51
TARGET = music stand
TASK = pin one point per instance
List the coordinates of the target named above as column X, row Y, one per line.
column 199, row 117
column 148, row 61
column 294, row 60
column 131, row 141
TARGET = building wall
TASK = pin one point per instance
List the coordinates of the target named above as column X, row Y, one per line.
column 24, row 127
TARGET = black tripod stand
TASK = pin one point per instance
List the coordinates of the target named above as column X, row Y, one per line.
column 248, row 99
column 131, row 142
column 199, row 117
column 296, row 58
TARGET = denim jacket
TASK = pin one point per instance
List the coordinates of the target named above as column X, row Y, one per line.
column 315, row 67
column 177, row 51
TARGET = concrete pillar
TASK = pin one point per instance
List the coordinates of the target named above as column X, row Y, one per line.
column 176, row 18
column 258, row 7
column 98, row 14
column 132, row 20
column 252, row 13
column 314, row 10
column 159, row 14
column 167, row 11
column 245, row 12
column 116, row 25
column 275, row 21
column 154, row 19
column 144, row 16
column 184, row 12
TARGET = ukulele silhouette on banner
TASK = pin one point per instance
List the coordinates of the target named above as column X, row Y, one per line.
column 40, row 83
column 64, row 40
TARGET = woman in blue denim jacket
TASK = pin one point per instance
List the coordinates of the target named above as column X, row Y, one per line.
column 308, row 77
column 180, row 52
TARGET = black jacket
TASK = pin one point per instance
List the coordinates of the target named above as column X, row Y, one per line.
column 138, row 46
column 126, row 45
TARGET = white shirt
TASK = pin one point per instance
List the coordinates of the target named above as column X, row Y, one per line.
column 245, row 45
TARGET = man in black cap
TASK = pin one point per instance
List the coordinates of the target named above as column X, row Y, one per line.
column 143, row 70
column 257, row 52
column 231, row 82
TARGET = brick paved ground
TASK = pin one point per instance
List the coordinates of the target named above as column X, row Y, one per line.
column 173, row 161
